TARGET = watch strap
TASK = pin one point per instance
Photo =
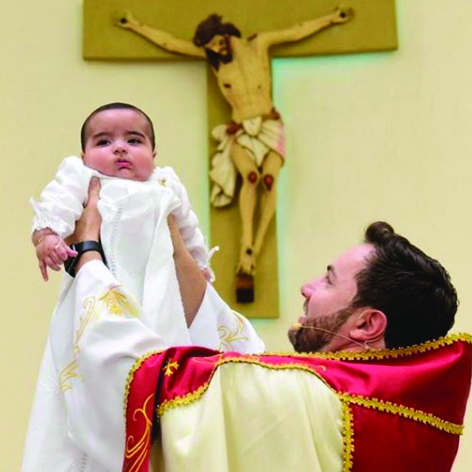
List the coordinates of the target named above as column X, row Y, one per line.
column 81, row 248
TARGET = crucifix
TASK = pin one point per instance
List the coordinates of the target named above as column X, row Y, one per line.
column 251, row 142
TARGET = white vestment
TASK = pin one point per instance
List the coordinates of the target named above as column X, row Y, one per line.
column 97, row 334
column 256, row 418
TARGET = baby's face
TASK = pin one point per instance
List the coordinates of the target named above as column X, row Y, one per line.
column 118, row 144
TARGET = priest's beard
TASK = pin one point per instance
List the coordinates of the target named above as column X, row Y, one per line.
column 307, row 339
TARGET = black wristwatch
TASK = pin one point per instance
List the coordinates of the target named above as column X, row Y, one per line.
column 81, row 248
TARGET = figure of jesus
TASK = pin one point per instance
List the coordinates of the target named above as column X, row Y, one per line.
column 253, row 143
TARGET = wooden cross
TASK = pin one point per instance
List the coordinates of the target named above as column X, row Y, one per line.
column 373, row 29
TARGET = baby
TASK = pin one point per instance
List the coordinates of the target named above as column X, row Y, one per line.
column 135, row 202
column 118, row 146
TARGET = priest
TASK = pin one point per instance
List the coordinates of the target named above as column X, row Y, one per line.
column 375, row 382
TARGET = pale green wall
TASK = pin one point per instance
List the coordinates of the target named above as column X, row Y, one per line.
column 380, row 136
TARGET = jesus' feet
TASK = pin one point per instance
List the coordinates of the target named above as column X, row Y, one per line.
column 247, row 261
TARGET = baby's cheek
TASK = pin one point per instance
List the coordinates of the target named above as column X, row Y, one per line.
column 146, row 170
column 97, row 163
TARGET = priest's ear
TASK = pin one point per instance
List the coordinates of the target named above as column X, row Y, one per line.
column 369, row 326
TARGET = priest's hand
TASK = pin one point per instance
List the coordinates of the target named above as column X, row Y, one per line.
column 192, row 282
column 87, row 227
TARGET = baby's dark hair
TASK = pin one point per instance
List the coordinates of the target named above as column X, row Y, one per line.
column 116, row 106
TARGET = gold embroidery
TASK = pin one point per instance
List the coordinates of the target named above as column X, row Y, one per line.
column 381, row 354
column 118, row 303
column 136, row 366
column 188, row 398
column 90, row 312
column 170, row 364
column 136, row 452
column 163, row 181
column 182, row 400
column 348, row 437
column 257, row 361
column 69, row 372
column 228, row 336
column 404, row 411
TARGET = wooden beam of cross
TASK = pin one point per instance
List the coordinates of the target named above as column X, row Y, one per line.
column 372, row 30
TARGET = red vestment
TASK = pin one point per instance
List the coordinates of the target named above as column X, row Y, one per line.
column 403, row 409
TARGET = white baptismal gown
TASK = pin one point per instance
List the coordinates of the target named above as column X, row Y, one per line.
column 139, row 252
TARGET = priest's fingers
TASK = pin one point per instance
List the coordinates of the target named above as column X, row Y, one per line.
column 87, row 227
column 171, row 223
column 93, row 191
column 176, row 237
column 70, row 252
column 64, row 251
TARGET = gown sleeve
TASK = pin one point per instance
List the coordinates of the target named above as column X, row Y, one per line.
column 61, row 202
column 187, row 220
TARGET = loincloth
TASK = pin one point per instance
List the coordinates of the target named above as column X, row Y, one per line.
column 258, row 136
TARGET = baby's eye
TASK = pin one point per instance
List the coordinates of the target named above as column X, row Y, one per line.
column 103, row 142
column 135, row 140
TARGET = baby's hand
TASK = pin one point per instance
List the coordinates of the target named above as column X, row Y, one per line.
column 51, row 252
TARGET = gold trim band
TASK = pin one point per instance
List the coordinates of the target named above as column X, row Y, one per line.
column 404, row 411
column 133, row 370
column 348, row 437
column 198, row 393
column 384, row 406
column 381, row 354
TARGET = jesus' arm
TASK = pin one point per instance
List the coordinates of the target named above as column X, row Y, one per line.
column 160, row 38
column 304, row 29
